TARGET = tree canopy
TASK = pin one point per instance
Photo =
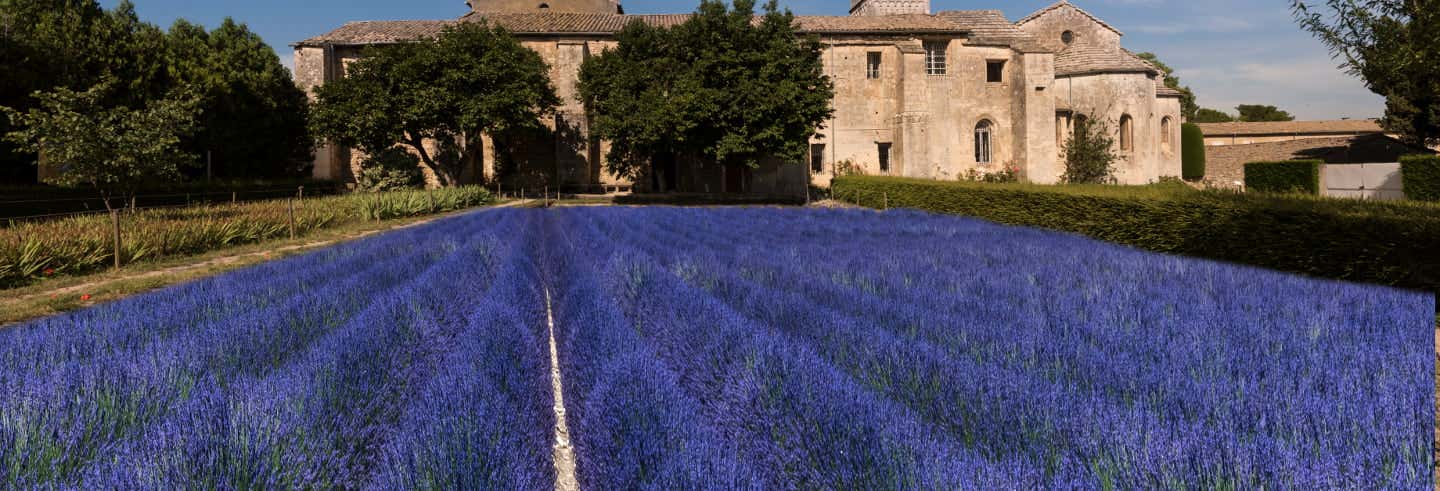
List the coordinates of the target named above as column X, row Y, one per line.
column 722, row 87
column 253, row 113
column 471, row 79
column 1188, row 107
column 113, row 149
column 1394, row 45
column 1252, row 113
column 1207, row 115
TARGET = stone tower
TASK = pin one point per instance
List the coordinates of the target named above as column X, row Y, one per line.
column 575, row 6
column 889, row 7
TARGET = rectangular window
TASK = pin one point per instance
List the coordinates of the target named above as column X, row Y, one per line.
column 884, row 150
column 872, row 65
column 935, row 57
column 995, row 72
column 817, row 158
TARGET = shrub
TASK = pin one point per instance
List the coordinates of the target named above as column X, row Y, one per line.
column 1192, row 151
column 1090, row 154
column 391, row 170
column 1375, row 242
column 1007, row 173
column 1296, row 176
column 1421, row 177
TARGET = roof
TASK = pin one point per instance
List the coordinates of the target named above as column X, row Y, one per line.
column 1226, row 164
column 991, row 28
column 1162, row 90
column 1087, row 59
column 1340, row 127
column 381, row 32
column 1062, row 4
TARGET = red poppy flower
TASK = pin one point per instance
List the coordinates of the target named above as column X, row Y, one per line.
column 49, row 271
column 85, row 298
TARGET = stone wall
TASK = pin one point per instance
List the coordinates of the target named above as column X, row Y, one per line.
column 1110, row 97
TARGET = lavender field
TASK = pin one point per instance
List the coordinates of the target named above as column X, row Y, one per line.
column 729, row 349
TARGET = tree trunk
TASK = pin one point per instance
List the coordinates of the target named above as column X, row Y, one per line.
column 442, row 175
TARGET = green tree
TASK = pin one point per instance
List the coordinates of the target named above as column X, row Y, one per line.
column 1394, row 45
column 1090, row 154
column 721, row 87
column 113, row 149
column 470, row 80
column 254, row 118
column 1207, row 115
column 1255, row 113
column 1188, row 107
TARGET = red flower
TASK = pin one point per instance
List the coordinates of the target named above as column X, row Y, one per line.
column 49, row 271
column 85, row 298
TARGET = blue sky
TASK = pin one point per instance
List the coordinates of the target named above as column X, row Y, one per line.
column 1230, row 51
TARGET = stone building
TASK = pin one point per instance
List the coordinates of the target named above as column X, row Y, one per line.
column 1246, row 133
column 918, row 94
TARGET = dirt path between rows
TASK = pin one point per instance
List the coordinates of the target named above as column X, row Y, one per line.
column 564, row 453
column 226, row 260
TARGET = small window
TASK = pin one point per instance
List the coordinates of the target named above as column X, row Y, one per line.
column 884, row 151
column 872, row 65
column 1127, row 133
column 544, row 6
column 1167, row 137
column 982, row 142
column 817, row 158
column 935, row 60
column 995, row 71
column 1067, row 37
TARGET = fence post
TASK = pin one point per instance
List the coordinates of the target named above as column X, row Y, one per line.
column 233, row 196
column 115, row 229
column 887, row 201
column 300, row 193
column 292, row 219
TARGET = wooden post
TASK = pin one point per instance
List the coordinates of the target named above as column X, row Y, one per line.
column 292, row 219
column 233, row 197
column 115, row 229
column 887, row 200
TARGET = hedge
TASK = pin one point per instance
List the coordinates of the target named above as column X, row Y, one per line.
column 1295, row 176
column 1420, row 175
column 1192, row 152
column 1374, row 242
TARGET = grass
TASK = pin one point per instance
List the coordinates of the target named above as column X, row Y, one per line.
column 33, row 251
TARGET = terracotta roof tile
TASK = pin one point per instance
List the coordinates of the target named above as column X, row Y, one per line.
column 991, row 28
column 1065, row 3
column 1340, row 127
column 380, row 32
column 1086, row 59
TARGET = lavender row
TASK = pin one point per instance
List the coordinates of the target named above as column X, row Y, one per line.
column 332, row 384
column 1320, row 417
column 798, row 421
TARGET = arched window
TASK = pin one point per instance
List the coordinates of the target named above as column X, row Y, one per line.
column 983, row 133
column 1167, row 136
column 1127, row 133
column 544, row 6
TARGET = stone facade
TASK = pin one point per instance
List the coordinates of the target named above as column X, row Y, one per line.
column 917, row 95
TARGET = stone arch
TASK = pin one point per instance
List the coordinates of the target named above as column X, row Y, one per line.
column 1127, row 133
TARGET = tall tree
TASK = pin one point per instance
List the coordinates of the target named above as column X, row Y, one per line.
column 1252, row 113
column 470, row 80
column 1188, row 106
column 721, row 87
column 1207, row 115
column 1394, row 45
column 254, row 123
column 112, row 149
